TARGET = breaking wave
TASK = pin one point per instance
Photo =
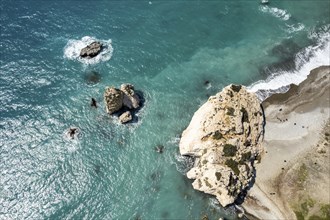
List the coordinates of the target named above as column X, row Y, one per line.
column 279, row 13
column 73, row 48
column 306, row 60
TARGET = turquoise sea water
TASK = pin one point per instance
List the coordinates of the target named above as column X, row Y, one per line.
column 168, row 50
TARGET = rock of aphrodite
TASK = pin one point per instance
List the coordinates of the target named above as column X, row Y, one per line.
column 91, row 50
column 121, row 99
column 224, row 136
column 113, row 99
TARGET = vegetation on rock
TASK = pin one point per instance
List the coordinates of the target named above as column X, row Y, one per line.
column 230, row 111
column 233, row 165
column 229, row 150
column 217, row 135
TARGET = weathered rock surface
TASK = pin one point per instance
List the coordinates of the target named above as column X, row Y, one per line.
column 130, row 100
column 123, row 99
column 92, row 50
column 125, row 117
column 113, row 99
column 224, row 136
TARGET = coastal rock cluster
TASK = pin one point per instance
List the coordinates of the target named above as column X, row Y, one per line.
column 224, row 137
column 91, row 50
column 119, row 100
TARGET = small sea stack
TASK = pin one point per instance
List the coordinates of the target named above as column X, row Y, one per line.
column 123, row 100
column 91, row 50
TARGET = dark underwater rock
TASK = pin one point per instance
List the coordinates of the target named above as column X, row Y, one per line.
column 92, row 77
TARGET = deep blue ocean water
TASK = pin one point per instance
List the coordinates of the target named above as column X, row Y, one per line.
column 168, row 50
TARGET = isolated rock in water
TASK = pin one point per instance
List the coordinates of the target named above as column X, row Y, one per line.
column 131, row 99
column 125, row 117
column 91, row 50
column 224, row 136
column 72, row 132
column 113, row 99
column 93, row 103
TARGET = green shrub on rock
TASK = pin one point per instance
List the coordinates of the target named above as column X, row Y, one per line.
column 217, row 135
column 229, row 150
column 233, row 165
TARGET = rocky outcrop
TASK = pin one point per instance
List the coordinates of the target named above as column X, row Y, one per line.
column 113, row 99
column 224, row 136
column 130, row 100
column 121, row 99
column 125, row 117
column 92, row 50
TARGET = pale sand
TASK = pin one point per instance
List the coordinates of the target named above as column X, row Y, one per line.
column 295, row 125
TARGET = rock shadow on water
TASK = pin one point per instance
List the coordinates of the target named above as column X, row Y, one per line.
column 153, row 182
column 165, row 215
column 92, row 77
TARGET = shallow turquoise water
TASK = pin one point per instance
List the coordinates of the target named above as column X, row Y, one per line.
column 167, row 49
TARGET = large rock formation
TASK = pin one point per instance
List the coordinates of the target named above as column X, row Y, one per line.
column 130, row 100
column 113, row 99
column 224, row 136
column 92, row 50
column 121, row 99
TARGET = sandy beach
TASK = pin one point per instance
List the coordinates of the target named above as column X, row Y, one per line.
column 293, row 177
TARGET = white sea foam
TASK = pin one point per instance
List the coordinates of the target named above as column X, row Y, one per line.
column 291, row 28
column 306, row 60
column 73, row 48
column 28, row 16
column 279, row 13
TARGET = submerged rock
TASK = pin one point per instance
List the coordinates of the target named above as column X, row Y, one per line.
column 113, row 99
column 92, row 77
column 224, row 136
column 93, row 103
column 159, row 149
column 92, row 50
column 125, row 117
